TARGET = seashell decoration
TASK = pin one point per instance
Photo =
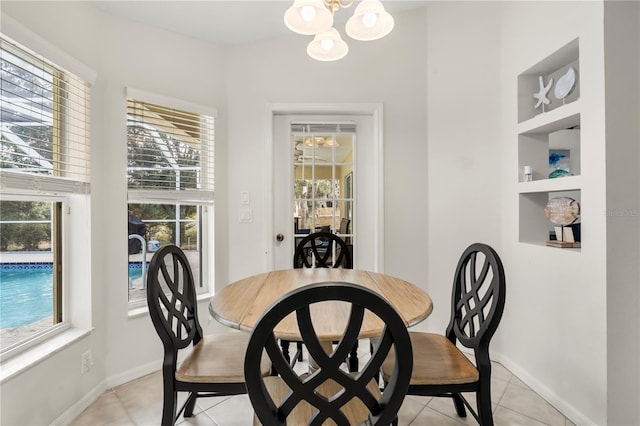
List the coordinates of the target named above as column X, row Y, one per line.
column 565, row 84
column 562, row 210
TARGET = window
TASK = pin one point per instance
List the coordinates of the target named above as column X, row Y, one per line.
column 323, row 178
column 44, row 169
column 170, row 186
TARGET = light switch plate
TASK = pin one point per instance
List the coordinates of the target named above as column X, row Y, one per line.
column 246, row 216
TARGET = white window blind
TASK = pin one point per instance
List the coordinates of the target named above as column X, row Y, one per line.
column 320, row 128
column 170, row 153
column 44, row 123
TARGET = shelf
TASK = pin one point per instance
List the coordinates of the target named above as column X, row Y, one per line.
column 569, row 183
column 563, row 117
column 549, row 141
column 544, row 244
column 535, row 149
column 534, row 225
column 553, row 69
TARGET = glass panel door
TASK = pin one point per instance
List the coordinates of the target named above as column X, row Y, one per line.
column 323, row 178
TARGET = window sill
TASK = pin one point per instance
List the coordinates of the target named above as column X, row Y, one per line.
column 40, row 352
column 137, row 311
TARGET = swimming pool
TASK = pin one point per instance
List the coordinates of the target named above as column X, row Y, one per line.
column 26, row 292
column 135, row 270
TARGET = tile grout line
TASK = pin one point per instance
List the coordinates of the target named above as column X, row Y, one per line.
column 456, row 419
column 124, row 407
column 513, row 377
column 503, row 393
column 529, row 417
column 417, row 415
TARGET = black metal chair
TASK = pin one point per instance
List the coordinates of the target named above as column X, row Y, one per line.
column 329, row 392
column 322, row 250
column 214, row 366
column 477, row 303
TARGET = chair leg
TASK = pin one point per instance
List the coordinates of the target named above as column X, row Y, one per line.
column 284, row 344
column 169, row 402
column 459, row 404
column 353, row 359
column 299, row 351
column 483, row 400
column 190, row 404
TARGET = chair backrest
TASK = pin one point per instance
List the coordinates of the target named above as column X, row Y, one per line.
column 382, row 409
column 478, row 298
column 344, row 225
column 171, row 297
column 322, row 250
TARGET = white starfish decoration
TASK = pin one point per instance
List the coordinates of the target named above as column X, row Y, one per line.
column 541, row 96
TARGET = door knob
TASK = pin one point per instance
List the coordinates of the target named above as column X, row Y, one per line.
column 279, row 238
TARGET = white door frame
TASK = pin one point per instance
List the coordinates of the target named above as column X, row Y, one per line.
column 372, row 109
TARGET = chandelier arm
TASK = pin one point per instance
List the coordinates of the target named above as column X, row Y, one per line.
column 334, row 5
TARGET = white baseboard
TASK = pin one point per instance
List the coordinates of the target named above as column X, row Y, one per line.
column 76, row 409
column 554, row 399
column 568, row 410
column 134, row 373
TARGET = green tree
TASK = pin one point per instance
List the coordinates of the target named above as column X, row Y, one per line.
column 149, row 165
column 24, row 236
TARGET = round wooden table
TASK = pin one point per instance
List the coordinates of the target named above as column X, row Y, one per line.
column 240, row 304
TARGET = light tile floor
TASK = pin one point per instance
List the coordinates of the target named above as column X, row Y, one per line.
column 139, row 402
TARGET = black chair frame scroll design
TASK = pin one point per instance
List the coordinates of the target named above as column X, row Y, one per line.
column 318, row 247
column 171, row 298
column 477, row 304
column 381, row 408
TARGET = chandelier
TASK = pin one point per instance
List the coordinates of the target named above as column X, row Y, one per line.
column 315, row 17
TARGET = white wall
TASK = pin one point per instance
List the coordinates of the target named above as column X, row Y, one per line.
column 622, row 73
column 464, row 156
column 553, row 334
column 123, row 54
column 392, row 71
column 163, row 63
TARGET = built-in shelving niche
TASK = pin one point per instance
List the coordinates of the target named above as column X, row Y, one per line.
column 554, row 130
column 554, row 66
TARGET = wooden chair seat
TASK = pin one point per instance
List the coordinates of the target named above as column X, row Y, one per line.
column 355, row 410
column 436, row 361
column 217, row 358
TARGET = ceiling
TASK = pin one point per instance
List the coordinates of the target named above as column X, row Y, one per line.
column 225, row 23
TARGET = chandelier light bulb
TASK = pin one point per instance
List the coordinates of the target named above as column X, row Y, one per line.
column 308, row 17
column 327, row 46
column 329, row 142
column 315, row 142
column 369, row 21
column 308, row 13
